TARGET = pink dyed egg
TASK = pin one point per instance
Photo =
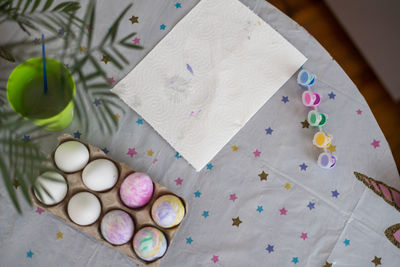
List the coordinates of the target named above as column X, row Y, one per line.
column 136, row 190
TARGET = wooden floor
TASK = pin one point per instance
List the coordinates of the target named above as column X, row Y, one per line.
column 315, row 16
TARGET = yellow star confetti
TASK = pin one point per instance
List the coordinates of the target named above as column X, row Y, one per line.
column 134, row 19
column 83, row 49
column 235, row 148
column 287, row 186
column 376, row 261
column 263, row 176
column 259, row 23
column 105, row 59
column 150, row 153
column 332, row 148
column 15, row 183
column 117, row 116
column 236, row 221
column 327, row 264
column 59, row 235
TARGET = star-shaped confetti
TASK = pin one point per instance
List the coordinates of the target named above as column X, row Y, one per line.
column 236, row 221
column 177, row 155
column 178, row 181
column 235, row 148
column 111, row 80
column 15, row 183
column 88, row 27
column 131, row 152
column 304, row 124
column 263, row 176
column 270, row 248
column 150, row 153
column 327, row 264
column 285, row 99
column 162, row 27
column 60, row 235
column 303, row 166
column 260, row 209
column 117, row 116
column 105, row 59
column 295, row 260
column 29, row 254
column 359, row 111
column 105, row 150
column 155, row 160
column 134, row 19
column 287, row 186
column 304, row 236
column 375, row 143
column 39, row 210
column 178, row 5
column 335, row 193
column 139, row 121
column 209, row 166
column 215, row 258
column 257, row 153
column 61, row 31
column 97, row 102
column 331, row 95
column 136, row 40
column 37, row 41
column 332, row 148
column 283, row 211
column 269, row 131
column 26, row 138
column 346, row 242
column 205, row 214
column 311, row 205
column 232, row 197
column 197, row 193
column 77, row 135
column 83, row 49
column 376, row 261
column 189, row 240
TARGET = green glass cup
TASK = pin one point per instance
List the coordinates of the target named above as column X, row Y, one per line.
column 52, row 110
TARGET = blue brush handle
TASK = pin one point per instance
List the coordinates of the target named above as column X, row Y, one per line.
column 44, row 65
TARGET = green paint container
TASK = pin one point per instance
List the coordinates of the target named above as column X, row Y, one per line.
column 25, row 93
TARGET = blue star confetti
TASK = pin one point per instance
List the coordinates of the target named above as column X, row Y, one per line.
column 311, row 205
column 97, row 102
column 29, row 254
column 139, row 121
column 105, row 150
column 162, row 27
column 269, row 131
column 260, row 209
column 285, row 99
column 303, row 167
column 197, row 193
column 331, row 95
column 335, row 193
column 205, row 214
column 270, row 248
column 26, row 138
column 77, row 135
column 346, row 242
column 178, row 5
column 209, row 166
column 61, row 31
column 189, row 240
column 295, row 260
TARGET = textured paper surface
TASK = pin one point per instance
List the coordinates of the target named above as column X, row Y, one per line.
column 201, row 84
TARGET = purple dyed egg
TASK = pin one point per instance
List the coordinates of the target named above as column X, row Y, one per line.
column 136, row 190
column 117, row 227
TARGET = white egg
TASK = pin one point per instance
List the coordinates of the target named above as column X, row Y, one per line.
column 55, row 184
column 84, row 208
column 100, row 175
column 71, row 156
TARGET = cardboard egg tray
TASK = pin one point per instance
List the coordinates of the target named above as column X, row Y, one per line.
column 110, row 200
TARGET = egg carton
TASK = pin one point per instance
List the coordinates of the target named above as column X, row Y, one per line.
column 110, row 200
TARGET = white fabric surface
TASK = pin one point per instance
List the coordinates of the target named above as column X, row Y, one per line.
column 202, row 83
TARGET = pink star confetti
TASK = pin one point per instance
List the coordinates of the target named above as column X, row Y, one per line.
column 155, row 160
column 136, row 40
column 178, row 181
column 111, row 80
column 215, row 258
column 283, row 211
column 303, row 236
column 375, row 143
column 131, row 152
column 39, row 210
column 257, row 153
column 232, row 197
column 359, row 111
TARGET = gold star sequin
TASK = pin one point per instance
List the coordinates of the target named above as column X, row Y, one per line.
column 332, row 148
column 15, row 183
column 235, row 148
column 287, row 186
column 263, row 176
column 59, row 235
column 134, row 19
column 117, row 116
column 327, row 264
column 83, row 49
column 236, row 221
column 259, row 23
column 304, row 124
column 105, row 59
column 150, row 153
column 376, row 261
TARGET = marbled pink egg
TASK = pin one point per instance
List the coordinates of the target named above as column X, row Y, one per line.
column 117, row 227
column 136, row 190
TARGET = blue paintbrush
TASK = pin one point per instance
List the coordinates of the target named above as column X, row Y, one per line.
column 44, row 65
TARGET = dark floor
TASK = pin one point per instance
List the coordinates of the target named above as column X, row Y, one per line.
column 315, row 16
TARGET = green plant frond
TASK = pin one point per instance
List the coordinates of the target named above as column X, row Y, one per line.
column 35, row 6
column 114, row 27
column 9, row 186
column 47, row 5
